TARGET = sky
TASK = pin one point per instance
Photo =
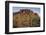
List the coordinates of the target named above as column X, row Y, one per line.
column 35, row 10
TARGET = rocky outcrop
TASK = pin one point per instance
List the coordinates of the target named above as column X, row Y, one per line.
column 26, row 18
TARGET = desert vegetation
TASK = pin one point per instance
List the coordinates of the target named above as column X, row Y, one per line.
column 26, row 18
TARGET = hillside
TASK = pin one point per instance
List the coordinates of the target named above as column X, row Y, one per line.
column 26, row 18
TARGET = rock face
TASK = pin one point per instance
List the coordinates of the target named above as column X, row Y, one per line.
column 26, row 18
